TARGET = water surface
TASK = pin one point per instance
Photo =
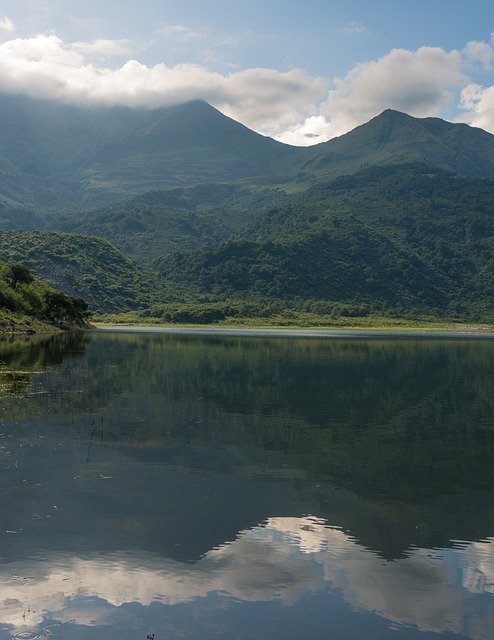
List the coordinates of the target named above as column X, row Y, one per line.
column 224, row 486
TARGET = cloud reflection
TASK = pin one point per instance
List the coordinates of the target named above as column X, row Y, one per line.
column 279, row 560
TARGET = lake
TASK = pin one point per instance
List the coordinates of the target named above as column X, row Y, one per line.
column 200, row 486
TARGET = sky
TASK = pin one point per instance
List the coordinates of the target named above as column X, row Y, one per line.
column 302, row 72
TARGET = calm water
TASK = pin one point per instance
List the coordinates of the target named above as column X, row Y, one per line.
column 198, row 486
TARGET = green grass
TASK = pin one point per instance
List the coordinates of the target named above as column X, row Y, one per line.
column 300, row 321
column 14, row 323
column 31, row 305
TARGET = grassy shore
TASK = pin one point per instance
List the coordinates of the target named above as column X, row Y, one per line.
column 14, row 323
column 302, row 321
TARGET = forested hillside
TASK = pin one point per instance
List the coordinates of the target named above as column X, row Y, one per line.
column 84, row 266
column 404, row 238
column 27, row 302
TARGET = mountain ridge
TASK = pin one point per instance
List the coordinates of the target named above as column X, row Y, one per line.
column 393, row 137
column 55, row 155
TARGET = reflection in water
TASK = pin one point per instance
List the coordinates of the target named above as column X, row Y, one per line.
column 135, row 470
column 280, row 560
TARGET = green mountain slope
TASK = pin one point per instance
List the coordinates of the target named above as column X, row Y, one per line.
column 402, row 238
column 53, row 154
column 397, row 138
column 157, row 223
column 79, row 265
column 27, row 303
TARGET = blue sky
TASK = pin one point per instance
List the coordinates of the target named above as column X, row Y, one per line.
column 311, row 49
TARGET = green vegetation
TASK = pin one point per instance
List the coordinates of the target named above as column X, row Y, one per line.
column 399, row 241
column 158, row 223
column 28, row 304
column 393, row 219
column 276, row 314
column 79, row 265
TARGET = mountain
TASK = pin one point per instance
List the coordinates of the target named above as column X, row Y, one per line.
column 53, row 154
column 397, row 138
column 394, row 216
column 56, row 156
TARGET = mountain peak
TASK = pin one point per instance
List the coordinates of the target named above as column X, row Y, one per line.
column 393, row 113
column 394, row 137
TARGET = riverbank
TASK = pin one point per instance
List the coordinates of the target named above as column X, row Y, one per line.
column 17, row 324
column 301, row 322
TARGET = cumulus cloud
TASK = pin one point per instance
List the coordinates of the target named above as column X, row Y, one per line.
column 421, row 83
column 103, row 48
column 478, row 105
column 312, row 130
column 480, row 53
column 291, row 106
column 476, row 101
column 44, row 67
column 418, row 82
column 6, row 24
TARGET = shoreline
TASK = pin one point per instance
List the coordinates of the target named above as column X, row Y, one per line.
column 463, row 331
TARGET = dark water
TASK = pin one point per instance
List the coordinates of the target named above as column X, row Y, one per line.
column 246, row 488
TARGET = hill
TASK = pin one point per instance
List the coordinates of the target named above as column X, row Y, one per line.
column 402, row 238
column 29, row 304
column 79, row 265
column 396, row 239
column 158, row 223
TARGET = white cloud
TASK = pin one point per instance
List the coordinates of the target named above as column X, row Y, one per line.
column 479, row 53
column 103, row 48
column 6, row 24
column 312, row 130
column 478, row 105
column 46, row 68
column 476, row 101
column 291, row 106
column 421, row 83
column 418, row 82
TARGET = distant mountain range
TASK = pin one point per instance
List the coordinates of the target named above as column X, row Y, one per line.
column 54, row 155
column 396, row 215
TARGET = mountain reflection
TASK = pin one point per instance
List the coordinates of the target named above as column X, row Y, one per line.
column 282, row 559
